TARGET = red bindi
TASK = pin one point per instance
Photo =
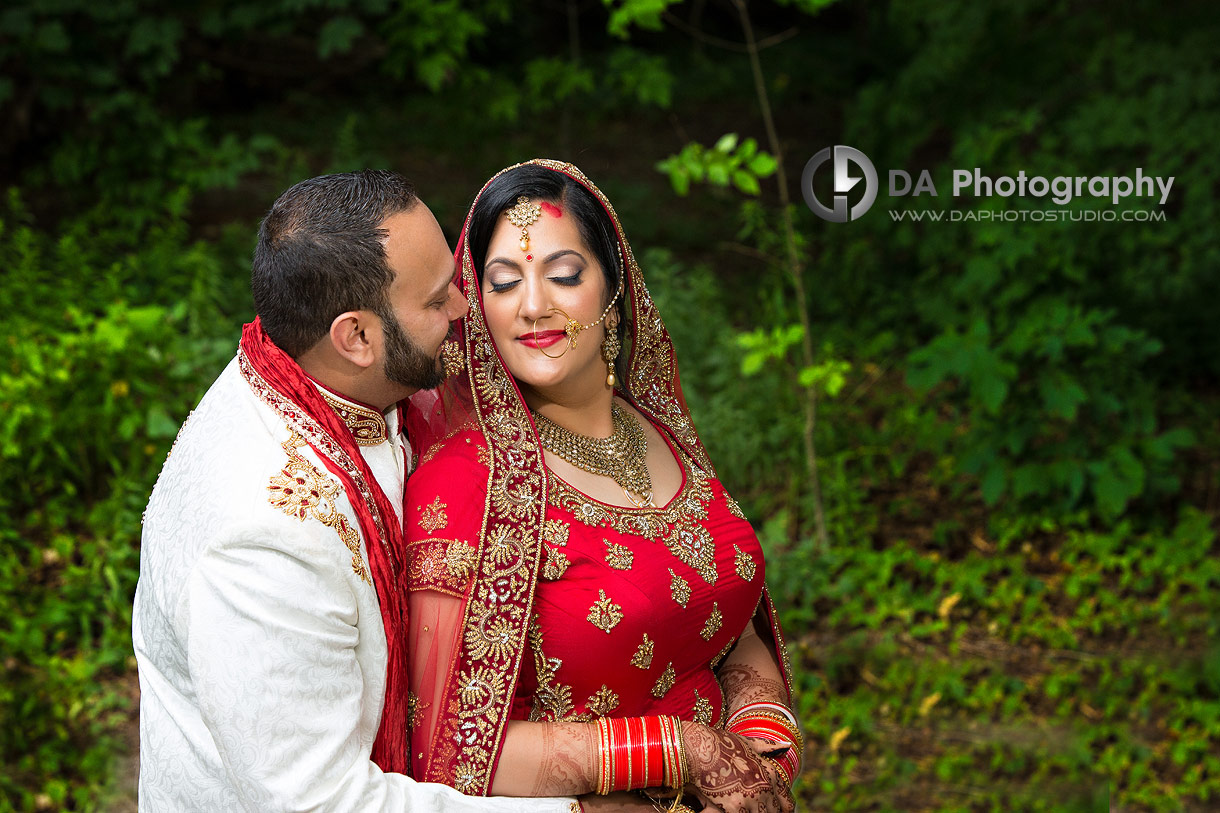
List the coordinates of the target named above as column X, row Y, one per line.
column 529, row 258
column 551, row 209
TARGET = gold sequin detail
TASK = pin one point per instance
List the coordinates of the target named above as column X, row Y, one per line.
column 714, row 663
column 745, row 564
column 643, row 653
column 712, row 625
column 605, row 614
column 556, row 564
column 602, row 702
column 679, row 590
column 367, row 425
column 734, row 508
column 677, row 525
column 664, row 683
column 300, row 490
column 434, row 517
column 618, row 557
column 703, row 709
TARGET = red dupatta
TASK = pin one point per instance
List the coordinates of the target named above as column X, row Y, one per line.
column 481, row 674
column 281, row 383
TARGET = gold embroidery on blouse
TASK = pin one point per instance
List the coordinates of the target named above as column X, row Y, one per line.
column 483, row 455
column 556, row 564
column 552, row 700
column 555, row 533
column 664, row 683
column 490, row 636
column 714, row 663
column 703, row 709
column 605, row 614
column 618, row 557
column 643, row 653
column 677, row 525
column 434, row 517
column 367, row 425
column 602, row 702
column 444, row 565
column 415, row 710
column 679, row 590
column 712, row 625
column 734, row 508
column 745, row 564
column 301, row 491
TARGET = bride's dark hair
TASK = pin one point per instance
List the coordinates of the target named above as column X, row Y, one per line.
column 541, row 184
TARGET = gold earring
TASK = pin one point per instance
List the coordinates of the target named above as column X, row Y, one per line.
column 524, row 215
column 610, row 351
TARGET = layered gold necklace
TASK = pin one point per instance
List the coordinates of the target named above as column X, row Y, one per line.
column 621, row 457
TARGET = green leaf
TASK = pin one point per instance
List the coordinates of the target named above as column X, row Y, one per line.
column 745, row 182
column 727, row 143
column 338, row 35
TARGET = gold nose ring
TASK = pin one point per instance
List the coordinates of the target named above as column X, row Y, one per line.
column 571, row 329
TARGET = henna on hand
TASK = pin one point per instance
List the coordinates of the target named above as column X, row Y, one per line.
column 567, row 760
column 744, row 684
column 727, row 773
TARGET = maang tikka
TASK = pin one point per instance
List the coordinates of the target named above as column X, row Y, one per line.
column 523, row 215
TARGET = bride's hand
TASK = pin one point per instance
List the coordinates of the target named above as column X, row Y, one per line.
column 729, row 775
column 621, row 802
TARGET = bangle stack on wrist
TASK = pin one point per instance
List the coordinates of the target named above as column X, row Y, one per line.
column 640, row 752
column 774, row 723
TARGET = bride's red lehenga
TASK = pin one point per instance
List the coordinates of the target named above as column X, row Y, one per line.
column 530, row 600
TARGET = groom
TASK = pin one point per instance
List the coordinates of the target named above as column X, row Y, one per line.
column 270, row 615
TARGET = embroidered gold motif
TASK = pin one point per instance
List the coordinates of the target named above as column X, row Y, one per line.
column 703, row 709
column 445, row 565
column 556, row 532
column 491, row 636
column 556, row 564
column 552, row 700
column 618, row 557
column 679, row 590
column 605, row 614
column 301, row 491
column 734, row 508
column 602, row 702
column 745, row 564
column 367, row 425
column 712, row 625
column 483, row 455
column 433, row 517
column 677, row 525
column 664, row 683
column 643, row 653
column 415, row 710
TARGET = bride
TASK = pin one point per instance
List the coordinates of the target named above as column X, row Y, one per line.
column 586, row 603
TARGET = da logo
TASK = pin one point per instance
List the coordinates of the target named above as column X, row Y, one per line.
column 843, row 182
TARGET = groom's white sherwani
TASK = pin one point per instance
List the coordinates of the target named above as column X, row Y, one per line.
column 260, row 644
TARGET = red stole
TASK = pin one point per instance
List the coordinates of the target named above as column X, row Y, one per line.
column 385, row 553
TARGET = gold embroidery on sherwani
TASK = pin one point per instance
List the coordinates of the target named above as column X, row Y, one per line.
column 602, row 702
column 301, row 491
column 679, row 589
column 703, row 709
column 664, row 683
column 712, row 625
column 367, row 425
column 643, row 654
column 605, row 614
column 433, row 517
column 618, row 557
column 745, row 564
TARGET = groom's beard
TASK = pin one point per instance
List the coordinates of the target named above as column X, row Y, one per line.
column 406, row 363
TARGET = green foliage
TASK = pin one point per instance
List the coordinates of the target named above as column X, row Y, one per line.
column 729, row 161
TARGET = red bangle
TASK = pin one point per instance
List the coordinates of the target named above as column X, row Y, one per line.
column 639, row 752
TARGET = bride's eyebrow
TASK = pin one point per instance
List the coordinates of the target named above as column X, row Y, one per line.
column 503, row 261
column 550, row 258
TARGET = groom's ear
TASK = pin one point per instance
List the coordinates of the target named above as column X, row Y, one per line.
column 353, row 335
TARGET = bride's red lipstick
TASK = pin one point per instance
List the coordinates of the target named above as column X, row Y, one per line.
column 543, row 338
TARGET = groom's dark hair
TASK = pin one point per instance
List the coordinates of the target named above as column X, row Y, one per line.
column 321, row 252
